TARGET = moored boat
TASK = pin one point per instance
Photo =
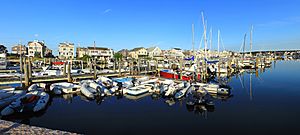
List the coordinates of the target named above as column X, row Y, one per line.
column 32, row 101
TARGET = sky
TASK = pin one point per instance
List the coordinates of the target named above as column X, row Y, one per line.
column 119, row 24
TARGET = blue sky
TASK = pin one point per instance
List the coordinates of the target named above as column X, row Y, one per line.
column 165, row 23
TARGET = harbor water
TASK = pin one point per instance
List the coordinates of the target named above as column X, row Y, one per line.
column 262, row 102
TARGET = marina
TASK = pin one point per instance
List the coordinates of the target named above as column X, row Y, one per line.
column 149, row 67
column 155, row 109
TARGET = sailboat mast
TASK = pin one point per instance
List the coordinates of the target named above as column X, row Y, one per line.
column 251, row 40
column 193, row 38
column 218, row 42
column 204, row 28
column 244, row 46
column 210, row 38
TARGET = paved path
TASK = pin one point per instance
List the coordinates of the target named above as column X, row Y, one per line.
column 7, row 127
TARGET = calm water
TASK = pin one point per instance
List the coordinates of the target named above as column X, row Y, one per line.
column 270, row 107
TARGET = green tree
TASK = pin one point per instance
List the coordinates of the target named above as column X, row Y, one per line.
column 118, row 56
column 37, row 54
column 85, row 57
column 3, row 49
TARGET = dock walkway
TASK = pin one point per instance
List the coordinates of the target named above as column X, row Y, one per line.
column 7, row 127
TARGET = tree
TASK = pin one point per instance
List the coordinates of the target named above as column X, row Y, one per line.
column 118, row 56
column 37, row 54
column 85, row 57
column 3, row 49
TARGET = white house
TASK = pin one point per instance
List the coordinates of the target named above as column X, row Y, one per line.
column 36, row 48
column 66, row 50
column 138, row 52
column 154, row 52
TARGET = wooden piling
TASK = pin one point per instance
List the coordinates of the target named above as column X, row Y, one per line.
column 65, row 69
column 114, row 65
column 69, row 73
column 181, row 69
column 119, row 67
column 21, row 64
column 139, row 66
column 257, row 62
column 95, row 70
column 29, row 68
column 26, row 75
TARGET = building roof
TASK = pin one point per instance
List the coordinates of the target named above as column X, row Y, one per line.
column 176, row 48
column 98, row 48
column 151, row 49
column 66, row 44
column 137, row 49
column 124, row 50
column 40, row 42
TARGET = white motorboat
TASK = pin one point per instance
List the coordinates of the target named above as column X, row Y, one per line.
column 182, row 92
column 106, row 82
column 91, row 89
column 6, row 97
column 33, row 101
column 64, row 87
column 137, row 90
column 214, row 88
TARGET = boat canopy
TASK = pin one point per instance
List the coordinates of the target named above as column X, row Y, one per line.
column 190, row 59
column 211, row 61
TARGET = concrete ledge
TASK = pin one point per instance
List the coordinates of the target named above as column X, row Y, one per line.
column 7, row 127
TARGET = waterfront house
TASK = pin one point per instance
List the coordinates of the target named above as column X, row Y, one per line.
column 154, row 52
column 66, row 50
column 81, row 51
column 19, row 49
column 3, row 62
column 174, row 53
column 101, row 53
column 36, row 48
column 138, row 53
column 48, row 52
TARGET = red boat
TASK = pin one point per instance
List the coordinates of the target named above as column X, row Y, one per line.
column 170, row 75
column 58, row 63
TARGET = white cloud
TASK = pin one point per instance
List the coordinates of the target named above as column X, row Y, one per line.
column 106, row 11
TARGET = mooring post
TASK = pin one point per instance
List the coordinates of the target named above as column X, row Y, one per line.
column 139, row 68
column 95, row 69
column 65, row 69
column 119, row 67
column 91, row 66
column 181, row 68
column 21, row 64
column 29, row 67
column 149, row 66
column 256, row 62
column 115, row 65
column 69, row 73
column 26, row 75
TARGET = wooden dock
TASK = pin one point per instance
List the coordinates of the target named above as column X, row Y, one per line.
column 45, row 79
